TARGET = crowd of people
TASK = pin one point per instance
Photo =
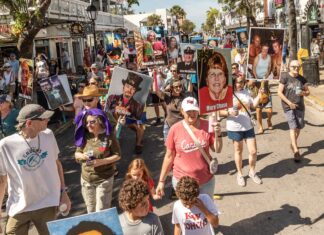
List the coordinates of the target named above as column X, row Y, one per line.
column 32, row 175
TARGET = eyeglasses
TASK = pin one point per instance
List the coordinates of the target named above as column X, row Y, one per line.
column 177, row 87
column 92, row 122
column 294, row 66
column 87, row 100
column 234, row 68
column 93, row 83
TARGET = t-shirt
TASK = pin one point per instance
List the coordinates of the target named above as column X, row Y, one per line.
column 33, row 179
column 290, row 86
column 8, row 124
column 207, row 104
column 192, row 221
column 148, row 225
column 103, row 147
column 188, row 160
column 241, row 122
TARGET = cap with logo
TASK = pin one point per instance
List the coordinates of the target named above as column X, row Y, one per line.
column 190, row 104
column 5, row 98
column 32, row 112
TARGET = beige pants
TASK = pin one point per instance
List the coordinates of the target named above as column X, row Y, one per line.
column 19, row 224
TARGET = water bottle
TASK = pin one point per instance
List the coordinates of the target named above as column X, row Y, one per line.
column 63, row 209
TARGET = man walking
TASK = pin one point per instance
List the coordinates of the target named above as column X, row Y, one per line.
column 29, row 160
column 292, row 89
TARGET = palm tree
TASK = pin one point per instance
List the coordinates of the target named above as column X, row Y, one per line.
column 179, row 13
column 212, row 15
column 292, row 30
column 188, row 26
column 154, row 19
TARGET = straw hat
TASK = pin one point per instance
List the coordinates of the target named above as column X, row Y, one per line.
column 92, row 91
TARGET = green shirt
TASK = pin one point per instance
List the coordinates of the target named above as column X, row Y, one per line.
column 103, row 147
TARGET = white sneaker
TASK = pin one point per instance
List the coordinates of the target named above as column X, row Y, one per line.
column 240, row 180
column 256, row 179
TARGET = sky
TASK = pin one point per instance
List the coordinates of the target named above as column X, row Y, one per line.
column 195, row 9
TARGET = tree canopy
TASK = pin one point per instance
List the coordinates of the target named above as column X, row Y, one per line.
column 154, row 19
column 188, row 26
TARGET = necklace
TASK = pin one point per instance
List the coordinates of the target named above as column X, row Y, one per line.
column 30, row 147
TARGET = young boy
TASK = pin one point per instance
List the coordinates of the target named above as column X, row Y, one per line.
column 193, row 213
column 134, row 200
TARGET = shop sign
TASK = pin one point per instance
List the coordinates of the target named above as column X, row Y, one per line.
column 77, row 29
column 312, row 16
column 279, row 3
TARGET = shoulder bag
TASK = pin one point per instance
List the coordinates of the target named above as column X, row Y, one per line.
column 213, row 164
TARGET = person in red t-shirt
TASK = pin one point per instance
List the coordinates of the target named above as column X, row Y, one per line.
column 184, row 156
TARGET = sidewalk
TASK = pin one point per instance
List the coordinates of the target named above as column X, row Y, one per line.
column 316, row 97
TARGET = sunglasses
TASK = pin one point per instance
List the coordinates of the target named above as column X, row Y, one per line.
column 92, row 122
column 93, row 83
column 177, row 86
column 87, row 100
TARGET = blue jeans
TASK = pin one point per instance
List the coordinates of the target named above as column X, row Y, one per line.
column 207, row 188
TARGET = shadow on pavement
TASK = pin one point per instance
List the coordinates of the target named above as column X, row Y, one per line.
column 267, row 223
column 311, row 124
column 314, row 148
column 282, row 126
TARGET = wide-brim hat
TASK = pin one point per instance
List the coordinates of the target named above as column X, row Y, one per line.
column 134, row 80
column 92, row 91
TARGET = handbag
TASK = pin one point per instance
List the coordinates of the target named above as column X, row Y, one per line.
column 213, row 164
column 252, row 119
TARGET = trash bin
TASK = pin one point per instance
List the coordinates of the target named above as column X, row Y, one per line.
column 311, row 70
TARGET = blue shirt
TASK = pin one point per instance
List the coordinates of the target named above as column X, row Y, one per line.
column 9, row 123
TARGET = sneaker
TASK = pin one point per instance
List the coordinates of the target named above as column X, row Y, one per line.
column 256, row 179
column 240, row 180
column 297, row 157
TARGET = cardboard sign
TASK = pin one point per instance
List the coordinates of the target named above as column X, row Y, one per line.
column 215, row 80
column 25, row 78
column 188, row 63
column 150, row 47
column 265, row 53
column 128, row 93
column 104, row 222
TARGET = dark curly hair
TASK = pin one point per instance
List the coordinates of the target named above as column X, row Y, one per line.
column 187, row 189
column 132, row 193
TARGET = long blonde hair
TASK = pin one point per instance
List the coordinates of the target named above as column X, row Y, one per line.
column 138, row 164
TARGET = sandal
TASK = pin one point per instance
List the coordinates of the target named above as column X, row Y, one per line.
column 260, row 131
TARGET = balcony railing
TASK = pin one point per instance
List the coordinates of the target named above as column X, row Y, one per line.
column 75, row 10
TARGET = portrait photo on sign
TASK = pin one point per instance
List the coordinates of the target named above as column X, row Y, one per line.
column 128, row 93
column 215, row 80
column 265, row 53
column 151, row 46
column 105, row 222
column 173, row 49
column 188, row 63
column 54, row 92
column 242, row 37
column 184, row 38
column 212, row 42
column 25, row 78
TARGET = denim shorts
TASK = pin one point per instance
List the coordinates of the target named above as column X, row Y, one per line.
column 295, row 118
column 240, row 135
column 143, row 119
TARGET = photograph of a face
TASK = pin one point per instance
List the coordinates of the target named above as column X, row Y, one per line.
column 265, row 53
column 215, row 80
column 25, row 78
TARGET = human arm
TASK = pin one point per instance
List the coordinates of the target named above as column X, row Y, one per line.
column 269, row 68
column 305, row 91
column 211, row 217
column 190, row 86
column 177, row 229
column 255, row 62
column 166, row 166
column 284, row 98
column 64, row 199
column 3, row 186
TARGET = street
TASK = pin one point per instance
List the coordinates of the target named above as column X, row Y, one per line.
column 290, row 200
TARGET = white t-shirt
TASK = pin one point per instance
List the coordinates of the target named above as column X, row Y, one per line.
column 33, row 179
column 242, row 121
column 192, row 221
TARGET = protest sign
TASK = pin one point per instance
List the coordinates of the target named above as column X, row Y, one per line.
column 188, row 64
column 265, row 53
column 25, row 78
column 215, row 80
column 104, row 222
column 128, row 93
column 151, row 47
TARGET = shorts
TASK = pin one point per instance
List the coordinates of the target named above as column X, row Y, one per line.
column 155, row 99
column 295, row 118
column 142, row 120
column 266, row 105
column 241, row 135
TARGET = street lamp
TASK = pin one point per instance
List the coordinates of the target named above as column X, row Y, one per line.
column 92, row 14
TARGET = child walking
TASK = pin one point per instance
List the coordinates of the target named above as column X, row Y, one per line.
column 137, row 170
column 193, row 213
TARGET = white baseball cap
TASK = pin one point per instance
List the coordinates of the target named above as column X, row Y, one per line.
column 190, row 104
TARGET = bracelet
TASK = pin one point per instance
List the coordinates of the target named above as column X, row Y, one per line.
column 63, row 190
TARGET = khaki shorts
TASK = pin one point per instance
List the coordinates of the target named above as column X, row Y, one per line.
column 19, row 224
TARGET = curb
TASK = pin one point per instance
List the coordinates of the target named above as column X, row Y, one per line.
column 315, row 102
column 63, row 127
